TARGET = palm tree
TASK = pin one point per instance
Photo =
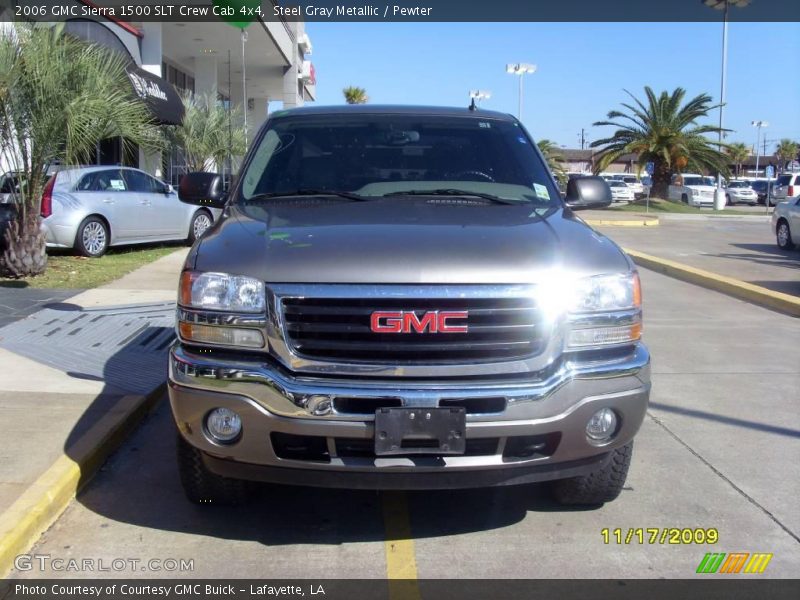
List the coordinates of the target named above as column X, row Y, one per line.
column 355, row 95
column 554, row 159
column 786, row 151
column 738, row 153
column 665, row 132
column 59, row 97
column 208, row 135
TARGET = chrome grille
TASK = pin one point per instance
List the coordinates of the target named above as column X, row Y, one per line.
column 338, row 329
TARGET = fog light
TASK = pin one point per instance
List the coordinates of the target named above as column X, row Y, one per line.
column 602, row 425
column 223, row 425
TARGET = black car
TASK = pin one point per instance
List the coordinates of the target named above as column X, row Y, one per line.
column 760, row 187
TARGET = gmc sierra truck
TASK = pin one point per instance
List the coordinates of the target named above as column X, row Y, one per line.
column 399, row 298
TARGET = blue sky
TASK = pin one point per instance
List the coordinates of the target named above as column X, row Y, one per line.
column 582, row 69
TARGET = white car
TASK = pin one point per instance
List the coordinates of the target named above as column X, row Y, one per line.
column 692, row 189
column 633, row 182
column 740, row 191
column 786, row 222
column 92, row 208
column 620, row 191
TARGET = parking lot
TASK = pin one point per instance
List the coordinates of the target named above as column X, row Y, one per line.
column 718, row 450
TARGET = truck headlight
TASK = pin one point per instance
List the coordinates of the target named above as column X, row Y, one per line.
column 220, row 291
column 605, row 310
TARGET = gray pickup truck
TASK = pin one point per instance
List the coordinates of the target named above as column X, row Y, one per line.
column 399, row 298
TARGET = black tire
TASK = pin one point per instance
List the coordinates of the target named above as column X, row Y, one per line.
column 751, row 204
column 92, row 238
column 729, row 201
column 783, row 235
column 201, row 486
column 601, row 486
column 685, row 198
column 195, row 229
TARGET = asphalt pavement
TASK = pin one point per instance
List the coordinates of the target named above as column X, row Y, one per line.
column 719, row 450
column 732, row 247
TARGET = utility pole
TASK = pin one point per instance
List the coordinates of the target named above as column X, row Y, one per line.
column 583, row 138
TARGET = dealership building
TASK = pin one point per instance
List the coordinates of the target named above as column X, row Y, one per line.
column 273, row 58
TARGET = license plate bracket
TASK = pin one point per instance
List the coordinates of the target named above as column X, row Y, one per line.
column 403, row 431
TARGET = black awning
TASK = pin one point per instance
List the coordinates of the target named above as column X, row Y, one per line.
column 161, row 98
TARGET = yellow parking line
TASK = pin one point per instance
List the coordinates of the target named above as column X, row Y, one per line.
column 401, row 563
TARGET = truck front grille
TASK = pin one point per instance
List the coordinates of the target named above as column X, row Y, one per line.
column 338, row 329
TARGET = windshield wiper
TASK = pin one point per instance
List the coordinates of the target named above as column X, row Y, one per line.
column 307, row 192
column 454, row 192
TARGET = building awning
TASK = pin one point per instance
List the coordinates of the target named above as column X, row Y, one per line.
column 159, row 95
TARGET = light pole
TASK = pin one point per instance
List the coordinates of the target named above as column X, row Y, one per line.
column 759, row 125
column 520, row 69
column 723, row 5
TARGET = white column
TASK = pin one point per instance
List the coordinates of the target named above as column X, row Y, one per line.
column 151, row 62
column 151, row 47
column 205, row 75
column 291, row 97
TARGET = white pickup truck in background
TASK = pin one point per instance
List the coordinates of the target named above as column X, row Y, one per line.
column 693, row 189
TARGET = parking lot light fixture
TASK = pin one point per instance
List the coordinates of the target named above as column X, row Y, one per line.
column 477, row 95
column 723, row 5
column 758, row 125
column 520, row 69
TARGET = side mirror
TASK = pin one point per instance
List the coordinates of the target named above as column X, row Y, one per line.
column 202, row 189
column 588, row 192
column 168, row 189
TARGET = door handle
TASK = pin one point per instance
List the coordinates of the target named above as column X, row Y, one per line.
column 108, row 200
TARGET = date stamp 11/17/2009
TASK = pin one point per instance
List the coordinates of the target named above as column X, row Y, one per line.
column 660, row 535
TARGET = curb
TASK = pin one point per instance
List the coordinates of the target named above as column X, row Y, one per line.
column 647, row 222
column 42, row 503
column 785, row 303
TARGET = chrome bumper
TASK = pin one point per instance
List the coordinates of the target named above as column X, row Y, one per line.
column 270, row 400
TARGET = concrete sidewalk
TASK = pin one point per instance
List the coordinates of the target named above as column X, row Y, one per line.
column 79, row 362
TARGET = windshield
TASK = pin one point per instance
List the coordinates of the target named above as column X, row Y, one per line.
column 699, row 181
column 630, row 180
column 375, row 155
column 783, row 180
column 738, row 184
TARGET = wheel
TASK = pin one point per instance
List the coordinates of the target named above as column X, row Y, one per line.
column 201, row 486
column 784, row 236
column 201, row 220
column 728, row 200
column 603, row 485
column 684, row 198
column 751, row 204
column 92, row 237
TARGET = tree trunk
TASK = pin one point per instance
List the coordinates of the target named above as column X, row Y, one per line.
column 661, row 178
column 24, row 250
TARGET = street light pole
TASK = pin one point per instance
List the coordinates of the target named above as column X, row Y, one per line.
column 723, row 5
column 520, row 70
column 759, row 125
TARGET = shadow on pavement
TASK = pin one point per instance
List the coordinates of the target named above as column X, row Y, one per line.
column 701, row 414
column 140, row 486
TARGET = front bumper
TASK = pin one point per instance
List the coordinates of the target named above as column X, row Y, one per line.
column 548, row 413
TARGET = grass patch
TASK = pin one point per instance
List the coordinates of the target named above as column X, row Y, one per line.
column 664, row 206
column 68, row 271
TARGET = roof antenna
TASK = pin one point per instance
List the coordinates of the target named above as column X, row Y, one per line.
column 477, row 96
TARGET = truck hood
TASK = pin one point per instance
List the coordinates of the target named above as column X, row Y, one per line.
column 403, row 241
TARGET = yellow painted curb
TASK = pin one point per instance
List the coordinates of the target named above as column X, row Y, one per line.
column 653, row 222
column 785, row 303
column 40, row 505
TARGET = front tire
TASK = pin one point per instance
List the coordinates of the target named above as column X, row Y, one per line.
column 201, row 486
column 92, row 238
column 729, row 201
column 783, row 235
column 201, row 221
column 601, row 486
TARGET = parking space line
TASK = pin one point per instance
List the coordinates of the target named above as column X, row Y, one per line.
column 401, row 562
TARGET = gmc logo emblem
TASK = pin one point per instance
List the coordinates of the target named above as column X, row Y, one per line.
column 407, row 321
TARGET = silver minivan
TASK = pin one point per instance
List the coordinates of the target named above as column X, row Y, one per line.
column 92, row 208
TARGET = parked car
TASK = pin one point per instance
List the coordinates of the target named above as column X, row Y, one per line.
column 761, row 187
column 786, row 223
column 398, row 298
column 634, row 183
column 740, row 191
column 692, row 189
column 621, row 191
column 786, row 186
column 90, row 209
